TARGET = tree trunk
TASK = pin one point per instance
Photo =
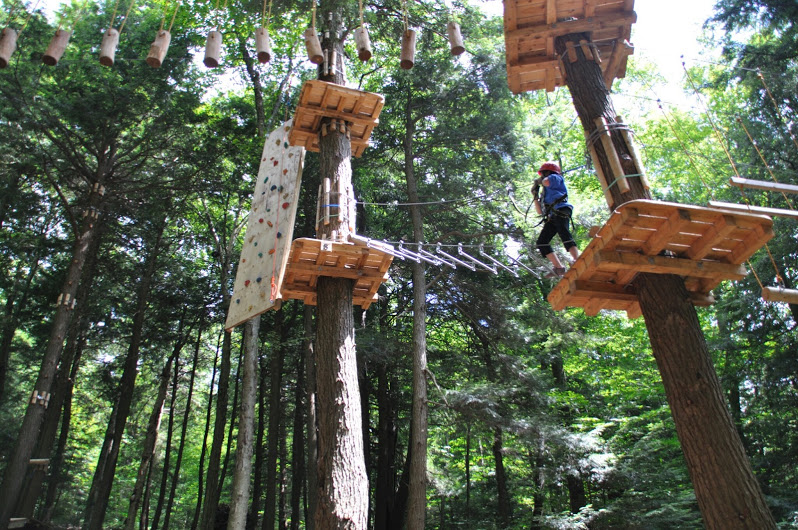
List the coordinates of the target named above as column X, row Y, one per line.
column 201, row 466
column 212, row 488
column 260, row 450
column 97, row 503
column 298, row 468
column 468, row 471
column 343, row 484
column 725, row 487
column 239, row 498
column 167, row 458
column 505, row 507
column 417, row 492
column 310, row 418
column 183, row 429
column 577, row 498
column 385, row 488
column 277, row 365
column 150, row 439
column 34, row 413
column 539, row 495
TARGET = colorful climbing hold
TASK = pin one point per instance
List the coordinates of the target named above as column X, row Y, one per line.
column 246, row 283
column 274, row 187
column 260, row 220
column 271, row 251
column 260, row 254
column 258, row 279
column 279, row 235
column 285, row 205
column 276, row 162
column 269, row 223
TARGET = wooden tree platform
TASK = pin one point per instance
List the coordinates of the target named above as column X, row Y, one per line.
column 312, row 258
column 702, row 245
column 319, row 99
column 530, row 27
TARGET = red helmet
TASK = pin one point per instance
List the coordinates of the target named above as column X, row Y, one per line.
column 550, row 166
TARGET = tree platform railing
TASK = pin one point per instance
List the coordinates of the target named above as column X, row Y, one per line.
column 702, row 245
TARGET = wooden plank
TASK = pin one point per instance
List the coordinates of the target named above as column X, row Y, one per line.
column 760, row 210
column 337, row 272
column 763, row 185
column 609, row 260
column 615, row 20
column 748, row 247
column 676, row 222
column 606, row 291
column 719, row 230
column 779, row 294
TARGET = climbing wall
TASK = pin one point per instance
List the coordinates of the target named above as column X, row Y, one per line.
column 270, row 228
column 530, row 27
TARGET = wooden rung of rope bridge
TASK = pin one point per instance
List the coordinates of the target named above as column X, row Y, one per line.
column 313, row 258
column 702, row 245
column 358, row 110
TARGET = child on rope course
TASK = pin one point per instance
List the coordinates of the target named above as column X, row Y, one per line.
column 556, row 212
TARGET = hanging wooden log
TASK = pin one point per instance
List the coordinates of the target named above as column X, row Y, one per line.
column 159, row 48
column 213, row 49
column 8, row 43
column 455, row 38
column 363, row 43
column 313, row 46
column 263, row 46
column 56, row 48
column 108, row 47
column 408, row 49
column 779, row 294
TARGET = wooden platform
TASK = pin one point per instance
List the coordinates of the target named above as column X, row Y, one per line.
column 530, row 27
column 319, row 99
column 312, row 258
column 704, row 246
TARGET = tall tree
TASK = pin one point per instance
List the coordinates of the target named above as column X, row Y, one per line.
column 727, row 491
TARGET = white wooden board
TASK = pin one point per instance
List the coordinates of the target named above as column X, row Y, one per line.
column 270, row 229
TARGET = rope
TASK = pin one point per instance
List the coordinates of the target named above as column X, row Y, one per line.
column 127, row 14
column 731, row 161
column 30, row 14
column 761, row 157
column 263, row 17
column 360, row 10
column 778, row 109
column 174, row 15
column 313, row 16
column 404, row 14
column 113, row 15
column 598, row 131
column 686, row 152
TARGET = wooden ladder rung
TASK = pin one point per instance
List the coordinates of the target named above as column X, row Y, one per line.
column 779, row 212
column 779, row 294
column 762, row 185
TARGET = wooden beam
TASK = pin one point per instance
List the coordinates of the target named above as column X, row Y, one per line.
column 778, row 294
column 762, row 185
column 613, row 261
column 613, row 20
column 760, row 210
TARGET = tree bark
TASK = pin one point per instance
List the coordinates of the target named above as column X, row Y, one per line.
column 150, row 439
column 310, row 418
column 505, row 506
column 167, row 457
column 212, row 488
column 239, row 498
column 298, row 468
column 97, row 503
column 34, row 413
column 277, row 365
column 417, row 491
column 726, row 489
column 385, row 487
column 183, row 429
column 201, row 467
column 343, row 484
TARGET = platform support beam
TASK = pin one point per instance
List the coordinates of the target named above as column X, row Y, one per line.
column 726, row 489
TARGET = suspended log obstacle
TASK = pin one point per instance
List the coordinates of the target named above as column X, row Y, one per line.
column 363, row 44
column 55, row 50
column 702, row 245
column 8, row 43
column 213, row 49
column 358, row 110
column 408, row 54
column 263, row 47
column 312, row 258
column 108, row 47
column 159, row 48
column 455, row 38
column 530, row 27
